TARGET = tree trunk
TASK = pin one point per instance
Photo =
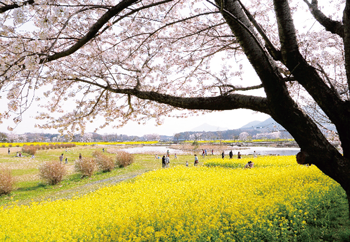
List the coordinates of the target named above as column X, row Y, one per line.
column 348, row 196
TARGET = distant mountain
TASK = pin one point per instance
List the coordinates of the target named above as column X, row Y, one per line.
column 208, row 127
column 251, row 124
column 268, row 125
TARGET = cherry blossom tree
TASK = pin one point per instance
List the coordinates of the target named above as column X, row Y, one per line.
column 87, row 137
column 152, row 137
column 135, row 60
column 13, row 137
column 244, row 136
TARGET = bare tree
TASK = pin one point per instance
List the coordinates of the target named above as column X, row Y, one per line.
column 136, row 60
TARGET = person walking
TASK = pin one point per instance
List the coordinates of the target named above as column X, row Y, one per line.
column 231, row 154
column 223, row 155
column 196, row 160
column 66, row 161
column 167, row 161
column 61, row 158
column 186, row 163
column 80, row 157
column 163, row 161
column 8, row 151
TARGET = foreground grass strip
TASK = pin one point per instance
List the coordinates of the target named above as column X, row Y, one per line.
column 184, row 204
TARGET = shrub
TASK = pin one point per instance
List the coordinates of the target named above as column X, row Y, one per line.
column 31, row 150
column 97, row 153
column 52, row 171
column 86, row 166
column 104, row 162
column 6, row 181
column 124, row 159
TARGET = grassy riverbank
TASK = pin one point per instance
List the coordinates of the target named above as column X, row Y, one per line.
column 30, row 187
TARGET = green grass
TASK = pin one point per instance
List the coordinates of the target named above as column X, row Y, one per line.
column 332, row 217
column 19, row 172
column 73, row 184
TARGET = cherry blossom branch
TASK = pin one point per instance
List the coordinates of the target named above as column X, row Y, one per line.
column 234, row 88
column 134, row 11
column 92, row 32
column 14, row 5
column 334, row 27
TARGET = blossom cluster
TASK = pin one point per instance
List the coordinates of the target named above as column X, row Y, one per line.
column 273, row 203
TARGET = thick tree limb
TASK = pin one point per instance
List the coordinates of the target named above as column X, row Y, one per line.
column 329, row 101
column 286, row 28
column 346, row 20
column 227, row 102
column 276, row 54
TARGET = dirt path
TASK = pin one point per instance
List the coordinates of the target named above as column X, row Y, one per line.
column 13, row 150
column 85, row 189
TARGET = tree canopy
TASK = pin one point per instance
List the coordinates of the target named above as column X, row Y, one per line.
column 135, row 60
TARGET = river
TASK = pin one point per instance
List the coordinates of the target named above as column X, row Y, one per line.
column 244, row 151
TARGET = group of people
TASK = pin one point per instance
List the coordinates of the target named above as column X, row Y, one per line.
column 230, row 154
column 166, row 160
column 61, row 159
column 250, row 164
column 205, row 152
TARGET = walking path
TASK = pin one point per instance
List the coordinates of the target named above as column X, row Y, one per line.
column 85, row 189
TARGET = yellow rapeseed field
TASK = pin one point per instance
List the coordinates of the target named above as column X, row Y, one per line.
column 271, row 203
